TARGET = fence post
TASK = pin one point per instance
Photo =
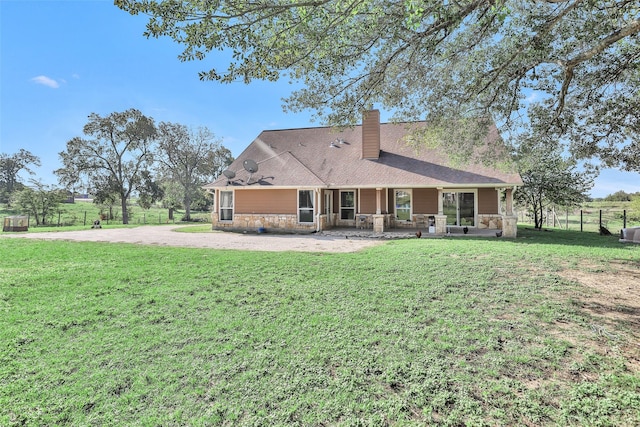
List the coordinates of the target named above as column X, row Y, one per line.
column 600, row 227
column 85, row 218
column 581, row 220
column 546, row 217
column 624, row 218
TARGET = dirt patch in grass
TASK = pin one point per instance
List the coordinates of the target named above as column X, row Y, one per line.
column 616, row 292
column 612, row 298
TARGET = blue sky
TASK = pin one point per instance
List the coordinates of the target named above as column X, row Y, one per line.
column 63, row 60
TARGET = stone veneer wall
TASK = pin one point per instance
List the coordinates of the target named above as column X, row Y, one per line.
column 289, row 223
column 252, row 222
column 490, row 221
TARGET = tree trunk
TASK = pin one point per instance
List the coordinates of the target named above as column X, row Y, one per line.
column 541, row 219
column 125, row 214
column 187, row 209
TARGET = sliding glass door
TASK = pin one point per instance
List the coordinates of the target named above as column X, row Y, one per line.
column 460, row 208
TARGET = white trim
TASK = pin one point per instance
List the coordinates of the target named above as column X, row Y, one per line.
column 475, row 202
column 232, row 208
column 409, row 191
column 313, row 208
column 355, row 192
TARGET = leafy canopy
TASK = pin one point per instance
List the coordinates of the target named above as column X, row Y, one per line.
column 10, row 167
column 190, row 158
column 113, row 159
column 433, row 60
column 39, row 200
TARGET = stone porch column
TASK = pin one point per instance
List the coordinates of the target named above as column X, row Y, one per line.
column 441, row 224
column 509, row 219
column 378, row 223
column 510, row 226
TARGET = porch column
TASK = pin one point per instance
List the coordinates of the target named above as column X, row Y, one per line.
column 320, row 218
column 509, row 219
column 509, row 201
column 441, row 218
column 214, row 211
column 378, row 218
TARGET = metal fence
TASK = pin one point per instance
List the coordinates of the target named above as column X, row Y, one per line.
column 587, row 220
column 87, row 218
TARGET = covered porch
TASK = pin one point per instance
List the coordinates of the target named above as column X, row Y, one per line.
column 437, row 211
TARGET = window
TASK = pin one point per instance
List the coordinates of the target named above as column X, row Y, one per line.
column 347, row 205
column 226, row 206
column 305, row 205
column 403, row 205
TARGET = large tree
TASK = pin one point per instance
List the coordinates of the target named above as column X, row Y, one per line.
column 190, row 158
column 432, row 59
column 10, row 168
column 118, row 150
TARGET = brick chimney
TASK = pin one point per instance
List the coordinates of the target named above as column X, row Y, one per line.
column 371, row 135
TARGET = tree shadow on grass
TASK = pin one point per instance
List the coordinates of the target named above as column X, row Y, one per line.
column 529, row 235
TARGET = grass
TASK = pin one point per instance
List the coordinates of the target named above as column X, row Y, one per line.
column 413, row 332
column 203, row 228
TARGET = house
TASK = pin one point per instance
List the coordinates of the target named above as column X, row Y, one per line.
column 313, row 179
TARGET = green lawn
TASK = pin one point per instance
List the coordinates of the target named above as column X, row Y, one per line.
column 457, row 331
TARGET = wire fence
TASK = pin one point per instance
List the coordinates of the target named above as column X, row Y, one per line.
column 587, row 220
column 87, row 218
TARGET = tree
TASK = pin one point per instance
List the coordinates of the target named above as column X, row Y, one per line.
column 634, row 213
column 105, row 194
column 149, row 191
column 549, row 178
column 190, row 158
column 10, row 167
column 618, row 196
column 39, row 201
column 432, row 60
column 114, row 159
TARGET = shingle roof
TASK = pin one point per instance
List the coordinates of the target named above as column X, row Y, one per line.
column 305, row 158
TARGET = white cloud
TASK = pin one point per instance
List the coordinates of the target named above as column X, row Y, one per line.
column 46, row 81
column 532, row 97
